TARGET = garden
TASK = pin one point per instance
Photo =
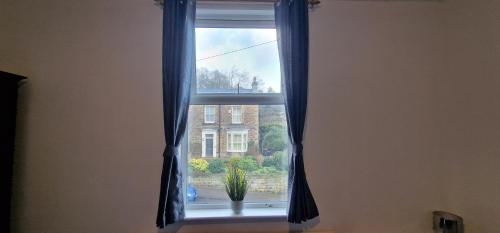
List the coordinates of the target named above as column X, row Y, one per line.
column 267, row 172
column 268, row 176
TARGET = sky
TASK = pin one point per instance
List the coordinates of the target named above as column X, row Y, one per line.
column 261, row 61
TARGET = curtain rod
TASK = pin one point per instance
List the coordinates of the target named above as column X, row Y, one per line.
column 312, row 3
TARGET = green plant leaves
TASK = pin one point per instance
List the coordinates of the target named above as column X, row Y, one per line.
column 236, row 183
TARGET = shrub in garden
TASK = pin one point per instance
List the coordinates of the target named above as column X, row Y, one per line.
column 260, row 159
column 274, row 138
column 234, row 161
column 248, row 163
column 268, row 162
column 216, row 166
column 279, row 160
column 199, row 166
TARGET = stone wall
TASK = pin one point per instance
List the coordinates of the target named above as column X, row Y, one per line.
column 259, row 183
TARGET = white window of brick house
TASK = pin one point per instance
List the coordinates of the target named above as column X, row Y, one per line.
column 237, row 91
column 236, row 114
column 209, row 114
column 209, row 142
column 237, row 140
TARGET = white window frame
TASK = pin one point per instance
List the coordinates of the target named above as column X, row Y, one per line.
column 234, row 15
column 215, row 15
column 203, row 142
column 205, row 118
column 240, row 14
column 244, row 140
column 236, row 119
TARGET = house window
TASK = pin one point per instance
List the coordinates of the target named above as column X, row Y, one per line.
column 236, row 114
column 209, row 114
column 237, row 89
column 209, row 142
column 237, row 141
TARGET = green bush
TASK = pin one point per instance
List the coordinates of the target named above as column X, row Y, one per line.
column 268, row 162
column 274, row 138
column 216, row 166
column 248, row 163
column 234, row 161
column 279, row 160
column 199, row 166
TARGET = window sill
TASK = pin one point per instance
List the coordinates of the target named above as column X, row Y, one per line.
column 248, row 214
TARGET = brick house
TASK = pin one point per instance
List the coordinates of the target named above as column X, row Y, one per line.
column 220, row 131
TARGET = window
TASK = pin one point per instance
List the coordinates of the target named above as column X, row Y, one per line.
column 237, row 140
column 209, row 114
column 236, row 114
column 237, row 109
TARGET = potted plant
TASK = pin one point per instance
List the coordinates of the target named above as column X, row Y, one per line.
column 236, row 185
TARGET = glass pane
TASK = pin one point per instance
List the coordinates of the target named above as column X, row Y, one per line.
column 262, row 136
column 237, row 139
column 209, row 113
column 236, row 113
column 237, row 60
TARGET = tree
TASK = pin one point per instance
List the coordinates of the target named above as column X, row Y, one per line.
column 212, row 79
column 273, row 138
column 230, row 80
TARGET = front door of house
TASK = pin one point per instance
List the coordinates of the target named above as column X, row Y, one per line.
column 209, row 141
column 209, row 145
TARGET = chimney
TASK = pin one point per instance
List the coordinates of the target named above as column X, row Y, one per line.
column 254, row 85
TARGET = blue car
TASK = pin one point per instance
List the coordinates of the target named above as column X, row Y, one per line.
column 192, row 193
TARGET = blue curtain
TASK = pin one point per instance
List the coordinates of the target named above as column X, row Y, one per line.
column 178, row 62
column 292, row 27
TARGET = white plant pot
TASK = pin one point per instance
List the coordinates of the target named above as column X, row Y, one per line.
column 237, row 207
